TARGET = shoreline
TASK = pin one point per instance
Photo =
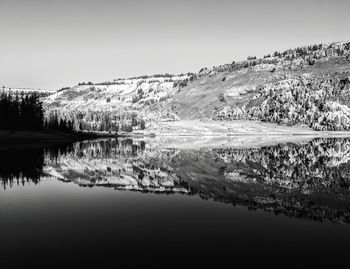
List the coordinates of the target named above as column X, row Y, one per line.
column 179, row 130
column 199, row 128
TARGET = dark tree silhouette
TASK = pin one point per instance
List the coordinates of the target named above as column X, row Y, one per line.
column 53, row 121
column 21, row 111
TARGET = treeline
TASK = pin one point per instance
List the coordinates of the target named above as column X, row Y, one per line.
column 54, row 122
column 165, row 75
column 100, row 121
column 293, row 58
column 21, row 111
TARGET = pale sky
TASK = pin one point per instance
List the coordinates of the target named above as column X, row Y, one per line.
column 56, row 43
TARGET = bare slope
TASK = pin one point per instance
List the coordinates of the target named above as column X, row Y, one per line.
column 215, row 90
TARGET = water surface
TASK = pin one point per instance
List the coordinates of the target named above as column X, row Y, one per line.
column 108, row 201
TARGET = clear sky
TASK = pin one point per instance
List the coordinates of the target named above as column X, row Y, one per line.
column 56, row 43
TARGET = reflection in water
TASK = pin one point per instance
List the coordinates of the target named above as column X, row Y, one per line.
column 320, row 165
column 308, row 180
column 20, row 166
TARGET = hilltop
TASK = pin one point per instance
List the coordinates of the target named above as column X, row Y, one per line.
column 16, row 90
column 307, row 87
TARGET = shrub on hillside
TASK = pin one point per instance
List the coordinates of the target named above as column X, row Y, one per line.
column 297, row 101
column 142, row 124
column 126, row 128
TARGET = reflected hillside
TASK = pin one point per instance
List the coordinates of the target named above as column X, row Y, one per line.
column 321, row 165
column 307, row 180
column 120, row 164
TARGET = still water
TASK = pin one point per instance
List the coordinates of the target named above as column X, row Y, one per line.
column 108, row 201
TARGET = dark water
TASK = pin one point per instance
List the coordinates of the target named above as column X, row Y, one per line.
column 125, row 201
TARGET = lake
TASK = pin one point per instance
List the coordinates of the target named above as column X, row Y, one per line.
column 147, row 201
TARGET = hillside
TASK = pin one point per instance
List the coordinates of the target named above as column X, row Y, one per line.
column 308, row 86
column 123, row 101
